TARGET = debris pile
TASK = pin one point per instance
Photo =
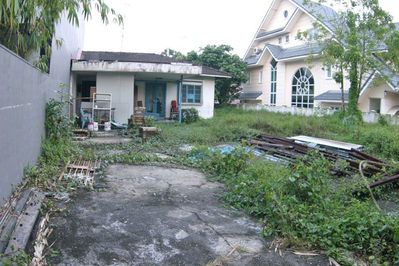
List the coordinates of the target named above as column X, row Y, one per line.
column 80, row 134
column 82, row 172
column 289, row 150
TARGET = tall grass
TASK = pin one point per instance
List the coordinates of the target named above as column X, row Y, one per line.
column 230, row 124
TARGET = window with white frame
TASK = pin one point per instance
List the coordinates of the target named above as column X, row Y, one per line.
column 273, row 82
column 260, row 77
column 287, row 38
column 248, row 77
column 303, row 89
column 312, row 34
column 329, row 72
column 191, row 93
column 280, row 40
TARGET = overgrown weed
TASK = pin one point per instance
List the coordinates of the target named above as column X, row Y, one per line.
column 303, row 205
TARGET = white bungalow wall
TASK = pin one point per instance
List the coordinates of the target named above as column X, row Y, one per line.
column 205, row 108
column 121, row 85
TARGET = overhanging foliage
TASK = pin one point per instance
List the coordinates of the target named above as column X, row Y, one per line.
column 27, row 26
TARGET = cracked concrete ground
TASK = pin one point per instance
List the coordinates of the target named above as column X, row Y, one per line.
column 151, row 215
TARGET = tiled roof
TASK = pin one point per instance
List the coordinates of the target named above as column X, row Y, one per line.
column 332, row 95
column 144, row 58
column 281, row 54
column 266, row 33
column 253, row 59
column 388, row 73
column 126, row 57
column 214, row 72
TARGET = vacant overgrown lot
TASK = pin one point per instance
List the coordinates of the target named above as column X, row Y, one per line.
column 303, row 206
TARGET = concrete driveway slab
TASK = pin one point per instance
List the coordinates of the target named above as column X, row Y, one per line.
column 152, row 215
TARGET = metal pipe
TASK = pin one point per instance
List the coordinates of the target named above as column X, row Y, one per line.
column 180, row 98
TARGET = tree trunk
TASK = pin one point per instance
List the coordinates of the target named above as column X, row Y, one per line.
column 342, row 89
column 353, row 90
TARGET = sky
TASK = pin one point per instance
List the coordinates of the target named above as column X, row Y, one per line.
column 183, row 25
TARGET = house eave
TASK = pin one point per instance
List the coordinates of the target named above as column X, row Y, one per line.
column 296, row 57
column 134, row 67
column 331, row 101
column 215, row 76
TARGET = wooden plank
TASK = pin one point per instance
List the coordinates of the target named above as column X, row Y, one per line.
column 25, row 223
column 384, row 181
column 10, row 225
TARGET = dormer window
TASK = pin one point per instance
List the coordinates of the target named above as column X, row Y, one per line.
column 329, row 71
column 286, row 13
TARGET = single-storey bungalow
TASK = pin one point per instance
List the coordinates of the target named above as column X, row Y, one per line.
column 145, row 80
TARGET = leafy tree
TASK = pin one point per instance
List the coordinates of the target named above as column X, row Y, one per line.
column 28, row 26
column 362, row 32
column 221, row 57
column 218, row 57
column 174, row 54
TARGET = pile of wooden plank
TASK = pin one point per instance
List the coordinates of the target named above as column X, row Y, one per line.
column 290, row 150
column 81, row 171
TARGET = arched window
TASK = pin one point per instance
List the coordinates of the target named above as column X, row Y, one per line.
column 303, row 89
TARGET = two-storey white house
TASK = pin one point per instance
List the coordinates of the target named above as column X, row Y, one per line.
column 281, row 74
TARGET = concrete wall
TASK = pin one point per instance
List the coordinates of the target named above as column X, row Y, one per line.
column 24, row 91
column 368, row 117
column 72, row 44
column 121, row 85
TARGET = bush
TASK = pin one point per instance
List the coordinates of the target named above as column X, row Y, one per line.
column 57, row 148
column 382, row 141
column 190, row 115
column 57, row 123
column 307, row 206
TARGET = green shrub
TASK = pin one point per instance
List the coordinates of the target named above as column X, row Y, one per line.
column 223, row 166
column 306, row 206
column 381, row 141
column 57, row 148
column 149, row 121
column 190, row 115
column 57, row 123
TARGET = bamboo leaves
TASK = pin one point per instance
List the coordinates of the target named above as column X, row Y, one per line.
column 27, row 26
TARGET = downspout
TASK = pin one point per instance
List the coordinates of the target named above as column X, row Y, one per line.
column 179, row 95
